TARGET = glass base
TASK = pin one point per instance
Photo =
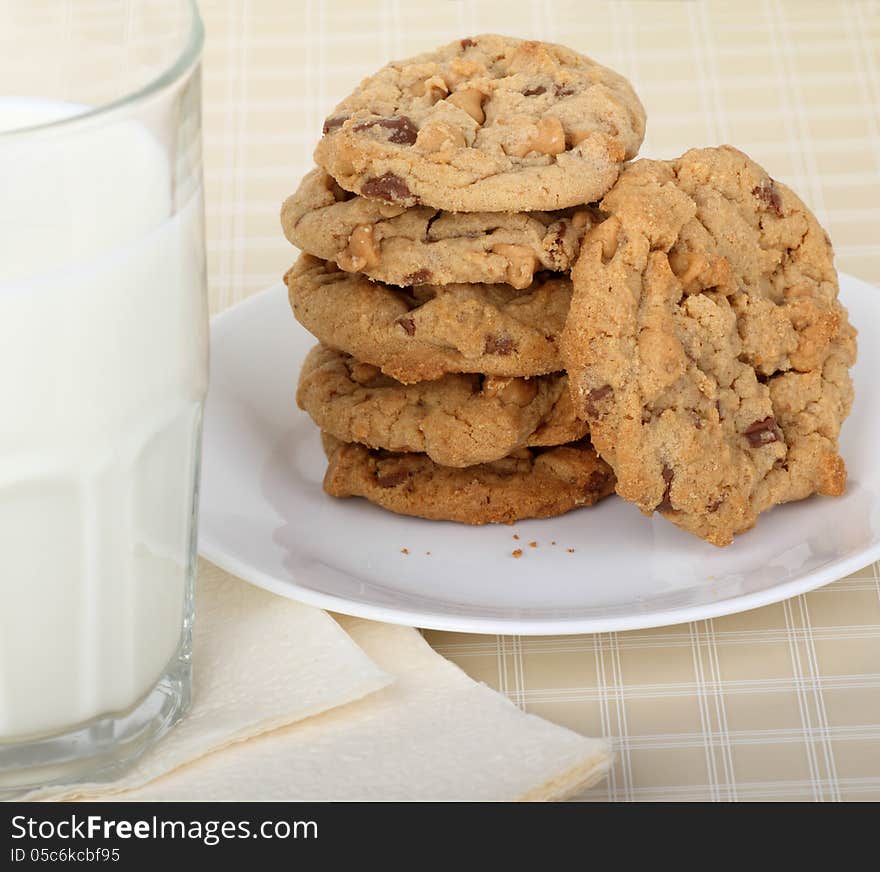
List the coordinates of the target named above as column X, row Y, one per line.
column 103, row 749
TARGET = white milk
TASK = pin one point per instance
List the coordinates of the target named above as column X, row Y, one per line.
column 103, row 369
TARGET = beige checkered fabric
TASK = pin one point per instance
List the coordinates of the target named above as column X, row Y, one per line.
column 782, row 703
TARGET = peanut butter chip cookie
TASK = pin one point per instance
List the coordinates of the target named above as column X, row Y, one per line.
column 488, row 123
column 531, row 483
column 424, row 332
column 458, row 420
column 422, row 245
column 706, row 345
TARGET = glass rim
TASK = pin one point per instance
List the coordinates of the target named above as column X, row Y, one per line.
column 186, row 59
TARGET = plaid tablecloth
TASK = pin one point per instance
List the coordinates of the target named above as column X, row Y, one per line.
column 778, row 703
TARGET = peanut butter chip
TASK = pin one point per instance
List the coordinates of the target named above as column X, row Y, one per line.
column 687, row 266
column 517, row 391
column 494, row 385
column 521, row 265
column 434, row 88
column 607, row 234
column 440, row 136
column 345, row 163
column 471, row 101
column 581, row 220
column 550, row 136
column 545, row 137
column 362, row 252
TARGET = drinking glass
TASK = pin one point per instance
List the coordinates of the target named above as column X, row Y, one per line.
column 103, row 374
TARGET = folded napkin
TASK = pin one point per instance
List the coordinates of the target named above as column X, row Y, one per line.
column 259, row 662
column 430, row 734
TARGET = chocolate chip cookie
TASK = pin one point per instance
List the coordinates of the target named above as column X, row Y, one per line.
column 485, row 124
column 457, row 420
column 531, row 483
column 421, row 333
column 706, row 345
column 422, row 245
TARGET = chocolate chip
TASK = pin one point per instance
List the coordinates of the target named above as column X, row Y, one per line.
column 561, row 231
column 665, row 505
column 408, row 325
column 502, row 345
column 594, row 396
column 769, row 196
column 334, row 123
column 392, row 479
column 533, row 92
column 403, row 131
column 419, row 277
column 596, row 483
column 466, row 43
column 563, row 90
column 762, row 432
column 387, row 187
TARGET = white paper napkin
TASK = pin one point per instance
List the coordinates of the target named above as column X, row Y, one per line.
column 259, row 662
column 434, row 734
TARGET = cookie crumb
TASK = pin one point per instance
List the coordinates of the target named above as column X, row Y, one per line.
column 517, row 553
column 570, row 550
column 428, row 553
column 533, row 544
column 515, row 536
column 552, row 541
column 404, row 550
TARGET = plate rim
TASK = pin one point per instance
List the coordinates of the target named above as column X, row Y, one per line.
column 540, row 626
column 408, row 616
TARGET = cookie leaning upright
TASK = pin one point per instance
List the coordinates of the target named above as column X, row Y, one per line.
column 488, row 123
column 706, row 344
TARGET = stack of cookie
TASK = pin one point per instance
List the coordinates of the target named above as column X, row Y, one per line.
column 440, row 229
column 497, row 295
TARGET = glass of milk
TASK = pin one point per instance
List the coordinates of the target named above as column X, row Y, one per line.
column 103, row 373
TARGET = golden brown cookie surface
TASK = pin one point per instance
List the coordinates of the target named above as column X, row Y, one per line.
column 706, row 345
column 421, row 333
column 532, row 483
column 488, row 123
column 458, row 420
column 421, row 245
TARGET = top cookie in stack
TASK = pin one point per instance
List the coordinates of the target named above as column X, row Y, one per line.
column 439, row 231
column 486, row 124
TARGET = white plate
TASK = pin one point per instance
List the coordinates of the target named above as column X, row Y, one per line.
column 265, row 518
